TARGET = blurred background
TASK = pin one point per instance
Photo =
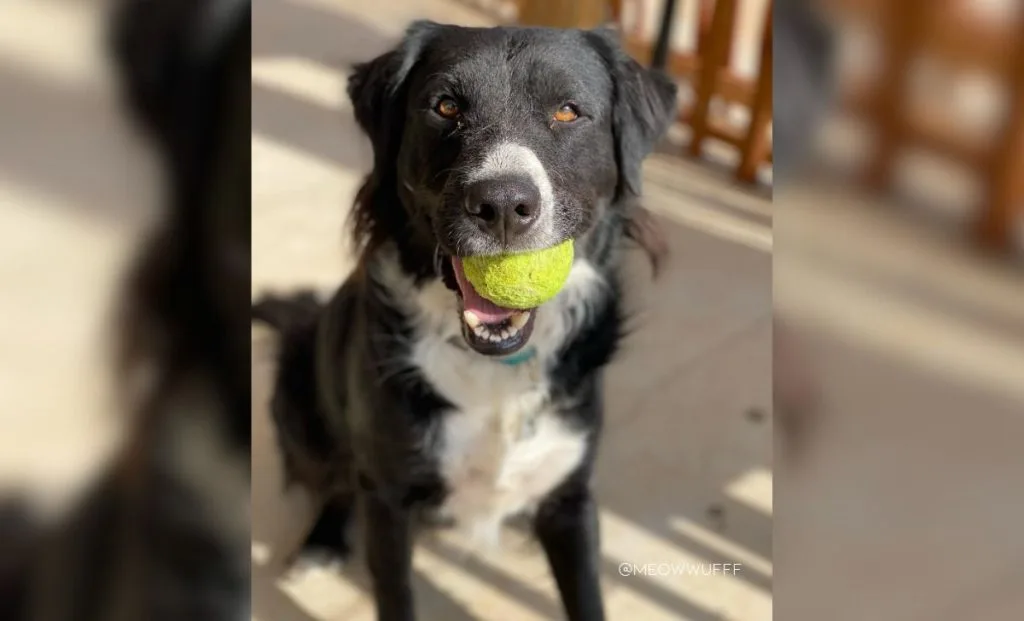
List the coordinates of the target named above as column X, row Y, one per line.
column 685, row 472
column 898, row 270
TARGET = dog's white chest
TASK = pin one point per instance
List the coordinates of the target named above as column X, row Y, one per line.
column 501, row 460
column 503, row 446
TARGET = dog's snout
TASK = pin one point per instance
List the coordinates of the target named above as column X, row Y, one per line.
column 505, row 207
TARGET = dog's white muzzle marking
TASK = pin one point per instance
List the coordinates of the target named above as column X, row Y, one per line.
column 509, row 159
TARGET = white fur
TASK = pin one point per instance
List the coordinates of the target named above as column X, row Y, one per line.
column 511, row 159
column 504, row 445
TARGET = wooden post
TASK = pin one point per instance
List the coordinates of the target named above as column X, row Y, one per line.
column 755, row 145
column 615, row 11
column 564, row 13
column 1004, row 189
column 705, row 13
column 719, row 42
column 901, row 33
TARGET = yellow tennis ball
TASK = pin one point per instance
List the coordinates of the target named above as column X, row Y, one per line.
column 521, row 281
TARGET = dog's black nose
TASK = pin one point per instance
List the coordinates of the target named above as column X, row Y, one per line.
column 505, row 206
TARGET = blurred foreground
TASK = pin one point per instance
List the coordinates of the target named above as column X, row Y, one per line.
column 124, row 439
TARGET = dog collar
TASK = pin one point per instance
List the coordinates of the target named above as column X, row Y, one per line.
column 519, row 357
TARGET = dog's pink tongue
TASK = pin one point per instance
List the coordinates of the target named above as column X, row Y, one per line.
column 487, row 311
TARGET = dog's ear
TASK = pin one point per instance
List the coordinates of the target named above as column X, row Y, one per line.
column 377, row 89
column 644, row 107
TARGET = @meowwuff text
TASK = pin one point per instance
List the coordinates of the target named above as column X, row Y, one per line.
column 679, row 569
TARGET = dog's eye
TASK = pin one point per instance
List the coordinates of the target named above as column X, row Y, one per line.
column 567, row 114
column 447, row 108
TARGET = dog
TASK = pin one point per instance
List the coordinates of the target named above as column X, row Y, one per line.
column 408, row 394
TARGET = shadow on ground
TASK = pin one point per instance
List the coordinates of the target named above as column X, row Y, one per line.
column 70, row 143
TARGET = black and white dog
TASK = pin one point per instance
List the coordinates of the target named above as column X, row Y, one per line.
column 408, row 391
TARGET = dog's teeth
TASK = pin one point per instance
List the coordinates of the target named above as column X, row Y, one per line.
column 512, row 330
column 505, row 334
column 479, row 330
column 471, row 319
column 519, row 319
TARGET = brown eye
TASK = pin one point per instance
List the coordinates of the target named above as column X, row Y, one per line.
column 447, row 108
column 567, row 114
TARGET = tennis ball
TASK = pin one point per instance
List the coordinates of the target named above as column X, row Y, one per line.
column 520, row 281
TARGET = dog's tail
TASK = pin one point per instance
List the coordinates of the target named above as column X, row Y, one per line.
column 285, row 313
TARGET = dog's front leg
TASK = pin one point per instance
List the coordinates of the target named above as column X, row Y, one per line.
column 389, row 556
column 566, row 525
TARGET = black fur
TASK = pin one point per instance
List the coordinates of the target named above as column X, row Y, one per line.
column 352, row 413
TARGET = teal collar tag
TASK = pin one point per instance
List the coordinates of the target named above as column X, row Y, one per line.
column 519, row 357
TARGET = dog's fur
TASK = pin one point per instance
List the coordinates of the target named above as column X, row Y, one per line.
column 381, row 395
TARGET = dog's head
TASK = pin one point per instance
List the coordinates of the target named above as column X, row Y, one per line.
column 502, row 140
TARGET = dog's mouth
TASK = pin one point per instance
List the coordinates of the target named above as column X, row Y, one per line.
column 489, row 329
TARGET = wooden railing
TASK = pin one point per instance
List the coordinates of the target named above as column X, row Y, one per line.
column 708, row 68
column 950, row 32
column 954, row 36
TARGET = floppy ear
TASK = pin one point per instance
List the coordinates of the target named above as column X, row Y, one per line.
column 377, row 90
column 378, row 93
column 644, row 108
